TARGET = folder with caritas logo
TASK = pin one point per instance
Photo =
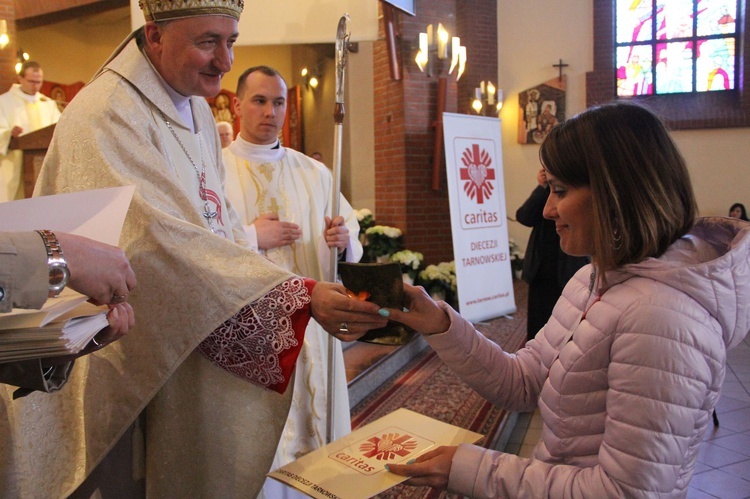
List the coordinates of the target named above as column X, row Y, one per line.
column 354, row 466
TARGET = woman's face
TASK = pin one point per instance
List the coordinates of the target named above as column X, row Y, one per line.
column 572, row 210
column 736, row 212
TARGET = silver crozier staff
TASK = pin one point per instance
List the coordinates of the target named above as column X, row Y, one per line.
column 342, row 47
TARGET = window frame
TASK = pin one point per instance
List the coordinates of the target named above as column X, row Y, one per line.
column 684, row 111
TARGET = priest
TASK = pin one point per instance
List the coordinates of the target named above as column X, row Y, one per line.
column 219, row 327
column 283, row 198
column 23, row 109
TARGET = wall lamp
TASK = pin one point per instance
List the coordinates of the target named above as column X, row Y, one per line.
column 437, row 43
column 311, row 81
column 4, row 37
column 21, row 57
column 487, row 97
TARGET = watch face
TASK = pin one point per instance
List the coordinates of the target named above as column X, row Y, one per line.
column 58, row 276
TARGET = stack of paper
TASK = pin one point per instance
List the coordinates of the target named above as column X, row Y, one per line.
column 65, row 325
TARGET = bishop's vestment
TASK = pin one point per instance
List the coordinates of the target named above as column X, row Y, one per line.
column 211, row 314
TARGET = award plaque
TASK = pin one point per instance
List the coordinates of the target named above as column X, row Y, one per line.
column 380, row 283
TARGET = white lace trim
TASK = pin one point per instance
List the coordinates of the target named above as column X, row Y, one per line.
column 250, row 343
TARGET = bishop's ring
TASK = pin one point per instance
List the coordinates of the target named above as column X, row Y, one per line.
column 344, row 328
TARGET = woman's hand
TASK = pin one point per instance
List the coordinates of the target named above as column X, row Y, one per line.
column 431, row 468
column 424, row 315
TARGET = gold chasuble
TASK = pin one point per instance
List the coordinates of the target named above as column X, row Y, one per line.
column 217, row 325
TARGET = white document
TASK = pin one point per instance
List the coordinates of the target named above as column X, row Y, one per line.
column 60, row 334
column 474, row 163
column 53, row 308
column 97, row 214
column 353, row 467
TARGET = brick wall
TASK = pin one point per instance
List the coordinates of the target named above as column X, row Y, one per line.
column 405, row 112
column 8, row 54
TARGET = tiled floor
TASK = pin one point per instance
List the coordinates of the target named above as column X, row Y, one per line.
column 723, row 469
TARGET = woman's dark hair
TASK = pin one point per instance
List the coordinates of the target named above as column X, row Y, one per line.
column 743, row 214
column 642, row 195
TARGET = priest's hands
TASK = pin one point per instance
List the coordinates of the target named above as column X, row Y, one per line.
column 97, row 270
column 337, row 233
column 344, row 317
column 432, row 468
column 273, row 233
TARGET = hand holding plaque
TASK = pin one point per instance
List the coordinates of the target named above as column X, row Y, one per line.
column 380, row 283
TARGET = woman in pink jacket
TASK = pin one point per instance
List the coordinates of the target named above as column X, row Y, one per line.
column 628, row 369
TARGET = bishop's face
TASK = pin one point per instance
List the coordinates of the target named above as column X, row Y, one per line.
column 261, row 108
column 193, row 54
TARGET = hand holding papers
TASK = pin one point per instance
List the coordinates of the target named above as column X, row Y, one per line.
column 353, row 467
column 65, row 325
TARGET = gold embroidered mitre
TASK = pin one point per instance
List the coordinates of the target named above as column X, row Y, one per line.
column 162, row 10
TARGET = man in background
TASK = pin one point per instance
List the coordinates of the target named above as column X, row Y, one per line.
column 22, row 110
column 284, row 201
column 546, row 267
column 226, row 133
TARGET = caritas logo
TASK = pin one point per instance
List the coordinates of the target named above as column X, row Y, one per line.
column 477, row 173
column 390, row 445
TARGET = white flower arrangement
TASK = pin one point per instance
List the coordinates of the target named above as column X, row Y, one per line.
column 439, row 279
column 365, row 218
column 383, row 240
column 410, row 262
column 449, row 269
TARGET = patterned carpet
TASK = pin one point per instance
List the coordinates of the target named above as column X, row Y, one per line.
column 427, row 386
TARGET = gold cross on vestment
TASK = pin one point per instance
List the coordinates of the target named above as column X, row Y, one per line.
column 274, row 206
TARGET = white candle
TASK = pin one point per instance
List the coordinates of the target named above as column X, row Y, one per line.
column 442, row 41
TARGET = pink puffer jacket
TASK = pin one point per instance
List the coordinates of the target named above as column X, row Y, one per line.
column 626, row 376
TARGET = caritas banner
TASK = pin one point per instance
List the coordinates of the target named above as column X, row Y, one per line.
column 473, row 158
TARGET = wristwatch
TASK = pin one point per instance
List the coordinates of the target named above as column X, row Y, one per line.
column 58, row 268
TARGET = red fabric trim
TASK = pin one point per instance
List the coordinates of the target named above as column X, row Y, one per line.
column 288, row 359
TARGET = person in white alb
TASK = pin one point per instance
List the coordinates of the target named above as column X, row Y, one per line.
column 284, row 201
column 22, row 110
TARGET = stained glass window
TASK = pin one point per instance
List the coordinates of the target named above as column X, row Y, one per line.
column 675, row 46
